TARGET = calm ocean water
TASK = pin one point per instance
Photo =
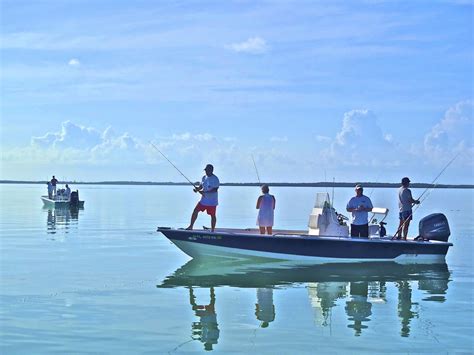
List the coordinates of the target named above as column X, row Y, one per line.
column 101, row 280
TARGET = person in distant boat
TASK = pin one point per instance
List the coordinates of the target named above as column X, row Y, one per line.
column 54, row 182
column 67, row 192
column 360, row 206
column 265, row 206
column 50, row 190
column 209, row 198
column 405, row 203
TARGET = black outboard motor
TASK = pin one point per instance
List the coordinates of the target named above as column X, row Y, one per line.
column 434, row 227
column 74, row 200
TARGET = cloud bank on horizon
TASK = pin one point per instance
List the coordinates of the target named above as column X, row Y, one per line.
column 88, row 147
column 367, row 90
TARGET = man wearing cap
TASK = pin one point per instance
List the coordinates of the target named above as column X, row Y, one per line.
column 405, row 203
column 360, row 206
column 209, row 201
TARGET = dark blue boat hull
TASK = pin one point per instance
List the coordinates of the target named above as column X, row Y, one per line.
column 203, row 243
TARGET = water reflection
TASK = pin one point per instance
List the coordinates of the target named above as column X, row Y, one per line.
column 264, row 308
column 350, row 288
column 206, row 329
column 61, row 219
column 358, row 308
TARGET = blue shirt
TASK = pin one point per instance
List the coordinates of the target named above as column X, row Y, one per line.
column 360, row 217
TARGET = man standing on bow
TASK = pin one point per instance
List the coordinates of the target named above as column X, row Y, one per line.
column 359, row 205
column 209, row 199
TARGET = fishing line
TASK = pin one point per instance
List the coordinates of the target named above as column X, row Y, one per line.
column 169, row 161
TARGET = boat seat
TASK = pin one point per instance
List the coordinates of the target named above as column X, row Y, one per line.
column 381, row 210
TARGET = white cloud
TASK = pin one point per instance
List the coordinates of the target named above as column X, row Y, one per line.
column 279, row 139
column 74, row 62
column 454, row 133
column 188, row 137
column 254, row 45
column 71, row 135
column 323, row 139
column 361, row 143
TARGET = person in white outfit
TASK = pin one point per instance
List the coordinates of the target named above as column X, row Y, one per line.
column 67, row 192
column 266, row 206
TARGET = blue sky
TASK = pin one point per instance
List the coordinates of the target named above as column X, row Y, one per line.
column 313, row 90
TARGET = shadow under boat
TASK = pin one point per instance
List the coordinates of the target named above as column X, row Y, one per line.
column 253, row 274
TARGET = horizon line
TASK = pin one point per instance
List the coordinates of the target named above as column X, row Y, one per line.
column 277, row 184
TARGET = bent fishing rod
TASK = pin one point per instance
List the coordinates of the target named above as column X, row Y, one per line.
column 437, row 177
column 174, row 166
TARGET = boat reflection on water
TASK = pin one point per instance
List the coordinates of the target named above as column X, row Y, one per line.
column 359, row 288
column 61, row 219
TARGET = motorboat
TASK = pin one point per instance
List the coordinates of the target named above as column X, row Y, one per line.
column 62, row 201
column 326, row 240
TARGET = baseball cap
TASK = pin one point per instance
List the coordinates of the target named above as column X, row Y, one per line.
column 359, row 187
column 209, row 167
column 405, row 180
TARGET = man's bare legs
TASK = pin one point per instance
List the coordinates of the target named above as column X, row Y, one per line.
column 193, row 219
column 262, row 230
column 402, row 231
column 213, row 223
column 405, row 229
column 269, row 231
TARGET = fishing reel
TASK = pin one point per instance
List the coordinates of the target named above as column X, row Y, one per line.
column 341, row 218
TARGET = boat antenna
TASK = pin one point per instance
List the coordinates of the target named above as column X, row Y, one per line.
column 174, row 166
column 256, row 170
column 332, row 197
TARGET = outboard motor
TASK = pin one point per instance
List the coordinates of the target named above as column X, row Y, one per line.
column 74, row 199
column 434, row 227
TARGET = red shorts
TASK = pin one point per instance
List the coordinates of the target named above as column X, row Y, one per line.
column 211, row 210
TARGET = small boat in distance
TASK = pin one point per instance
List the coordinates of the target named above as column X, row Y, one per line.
column 326, row 240
column 61, row 201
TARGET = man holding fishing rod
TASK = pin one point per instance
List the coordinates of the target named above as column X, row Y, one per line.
column 405, row 204
column 209, row 199
column 207, row 188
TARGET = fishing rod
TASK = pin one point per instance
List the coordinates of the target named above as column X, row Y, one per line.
column 437, row 177
column 174, row 166
column 256, row 170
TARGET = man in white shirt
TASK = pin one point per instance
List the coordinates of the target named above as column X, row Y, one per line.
column 360, row 206
column 209, row 199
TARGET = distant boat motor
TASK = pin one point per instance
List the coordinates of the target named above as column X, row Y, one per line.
column 434, row 227
column 74, row 199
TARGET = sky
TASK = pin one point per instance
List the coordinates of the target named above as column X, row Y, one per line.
column 309, row 90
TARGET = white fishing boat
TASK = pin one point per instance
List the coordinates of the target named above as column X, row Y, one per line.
column 62, row 201
column 326, row 240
